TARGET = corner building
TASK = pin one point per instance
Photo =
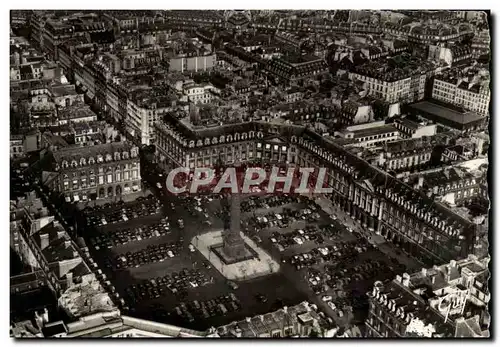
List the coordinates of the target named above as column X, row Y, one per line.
column 96, row 172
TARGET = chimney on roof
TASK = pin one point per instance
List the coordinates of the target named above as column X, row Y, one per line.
column 420, row 182
column 248, row 319
column 44, row 241
column 45, row 315
column 424, row 272
column 39, row 320
column 69, row 279
column 406, row 279
column 433, row 278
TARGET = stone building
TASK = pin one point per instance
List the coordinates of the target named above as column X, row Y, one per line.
column 95, row 172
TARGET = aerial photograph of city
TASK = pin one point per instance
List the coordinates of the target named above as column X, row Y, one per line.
column 250, row 174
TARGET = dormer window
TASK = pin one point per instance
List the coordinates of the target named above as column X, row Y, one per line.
column 91, row 161
column 125, row 155
column 82, row 162
column 65, row 164
column 100, row 159
column 133, row 152
column 117, row 156
column 74, row 163
column 108, row 157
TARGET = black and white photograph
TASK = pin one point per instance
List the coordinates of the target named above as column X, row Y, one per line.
column 250, row 174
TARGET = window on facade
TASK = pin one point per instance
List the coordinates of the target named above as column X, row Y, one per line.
column 101, row 179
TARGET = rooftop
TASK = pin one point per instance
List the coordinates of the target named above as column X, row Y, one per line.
column 384, row 129
column 442, row 112
column 265, row 324
column 419, row 296
column 70, row 153
column 76, row 111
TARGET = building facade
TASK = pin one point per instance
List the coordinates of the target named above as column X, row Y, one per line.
column 193, row 63
column 460, row 92
column 16, row 146
column 404, row 89
column 105, row 171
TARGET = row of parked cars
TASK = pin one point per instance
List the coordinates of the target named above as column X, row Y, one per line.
column 343, row 251
column 124, row 213
column 340, row 276
column 88, row 210
column 282, row 241
column 219, row 306
column 151, row 254
column 174, row 283
column 286, row 217
column 255, row 202
column 124, row 236
column 356, row 280
column 117, row 205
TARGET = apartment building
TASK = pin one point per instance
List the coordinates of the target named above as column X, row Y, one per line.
column 199, row 93
column 470, row 90
column 95, row 172
column 404, row 84
column 193, row 61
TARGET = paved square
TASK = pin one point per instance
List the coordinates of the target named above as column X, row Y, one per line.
column 258, row 266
